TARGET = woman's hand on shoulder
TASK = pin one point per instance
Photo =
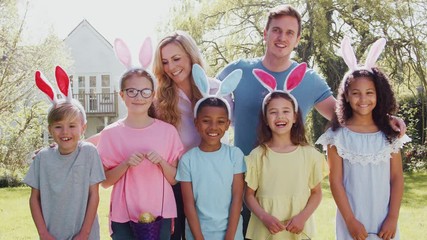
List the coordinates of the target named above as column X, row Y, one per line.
column 52, row 145
column 398, row 125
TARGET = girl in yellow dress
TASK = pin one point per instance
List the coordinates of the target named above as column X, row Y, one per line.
column 284, row 172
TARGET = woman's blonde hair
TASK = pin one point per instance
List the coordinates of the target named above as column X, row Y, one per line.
column 166, row 96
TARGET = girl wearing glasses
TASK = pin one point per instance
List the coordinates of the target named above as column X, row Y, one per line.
column 139, row 154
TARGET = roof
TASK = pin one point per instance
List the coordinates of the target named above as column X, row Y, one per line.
column 86, row 22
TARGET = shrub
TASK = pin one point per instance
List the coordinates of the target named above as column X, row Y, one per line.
column 11, row 180
column 415, row 153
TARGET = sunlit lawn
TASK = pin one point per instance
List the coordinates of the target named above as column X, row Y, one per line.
column 16, row 222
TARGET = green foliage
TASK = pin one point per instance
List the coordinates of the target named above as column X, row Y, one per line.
column 22, row 134
column 21, row 113
column 227, row 30
column 414, row 153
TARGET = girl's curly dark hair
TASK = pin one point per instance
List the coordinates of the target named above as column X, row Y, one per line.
column 385, row 107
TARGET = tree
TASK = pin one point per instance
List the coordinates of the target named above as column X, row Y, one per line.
column 230, row 29
column 22, row 112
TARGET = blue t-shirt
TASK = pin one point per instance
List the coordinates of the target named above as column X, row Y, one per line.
column 249, row 94
column 211, row 175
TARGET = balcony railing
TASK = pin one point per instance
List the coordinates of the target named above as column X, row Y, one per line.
column 99, row 104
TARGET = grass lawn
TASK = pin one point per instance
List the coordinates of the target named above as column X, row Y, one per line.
column 16, row 222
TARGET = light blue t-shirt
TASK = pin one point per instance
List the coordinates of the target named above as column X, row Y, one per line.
column 249, row 94
column 211, row 175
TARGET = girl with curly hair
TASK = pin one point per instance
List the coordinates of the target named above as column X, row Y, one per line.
column 366, row 176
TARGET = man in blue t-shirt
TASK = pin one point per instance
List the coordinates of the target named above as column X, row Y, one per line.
column 281, row 35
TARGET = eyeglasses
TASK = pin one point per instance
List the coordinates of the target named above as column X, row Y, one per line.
column 133, row 92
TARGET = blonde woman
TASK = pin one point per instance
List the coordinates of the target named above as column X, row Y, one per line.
column 176, row 96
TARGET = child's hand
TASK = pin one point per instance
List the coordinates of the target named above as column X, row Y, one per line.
column 356, row 229
column 273, row 224
column 81, row 236
column 154, row 157
column 135, row 159
column 388, row 229
column 295, row 225
column 46, row 236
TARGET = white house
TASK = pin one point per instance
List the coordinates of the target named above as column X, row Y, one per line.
column 94, row 76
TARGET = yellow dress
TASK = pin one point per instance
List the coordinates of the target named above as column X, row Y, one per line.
column 282, row 182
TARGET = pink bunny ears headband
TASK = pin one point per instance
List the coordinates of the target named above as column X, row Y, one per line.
column 269, row 82
column 145, row 56
column 350, row 58
column 226, row 87
column 64, row 87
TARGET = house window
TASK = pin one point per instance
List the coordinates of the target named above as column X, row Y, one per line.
column 82, row 90
column 105, row 88
column 71, row 81
column 93, row 101
column 92, row 82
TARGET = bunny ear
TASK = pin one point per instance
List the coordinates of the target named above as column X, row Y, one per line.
column 375, row 52
column 348, row 54
column 266, row 80
column 200, row 79
column 63, row 83
column 230, row 82
column 146, row 53
column 123, row 53
column 44, row 85
column 295, row 77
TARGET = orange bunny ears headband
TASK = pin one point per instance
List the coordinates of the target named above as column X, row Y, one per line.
column 145, row 56
column 293, row 79
column 351, row 60
column 64, row 87
column 226, row 87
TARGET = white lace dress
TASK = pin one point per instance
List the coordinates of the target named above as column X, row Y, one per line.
column 366, row 176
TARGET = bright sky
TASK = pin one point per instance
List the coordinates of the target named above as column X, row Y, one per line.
column 131, row 20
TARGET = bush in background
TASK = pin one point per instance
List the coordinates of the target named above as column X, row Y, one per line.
column 414, row 154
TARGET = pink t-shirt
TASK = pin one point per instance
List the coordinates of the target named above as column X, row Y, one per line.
column 140, row 189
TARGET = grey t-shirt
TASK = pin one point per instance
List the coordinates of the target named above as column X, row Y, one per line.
column 63, row 182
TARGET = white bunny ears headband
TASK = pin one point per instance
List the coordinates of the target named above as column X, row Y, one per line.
column 350, row 58
column 226, row 87
column 64, row 87
column 145, row 56
column 293, row 79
